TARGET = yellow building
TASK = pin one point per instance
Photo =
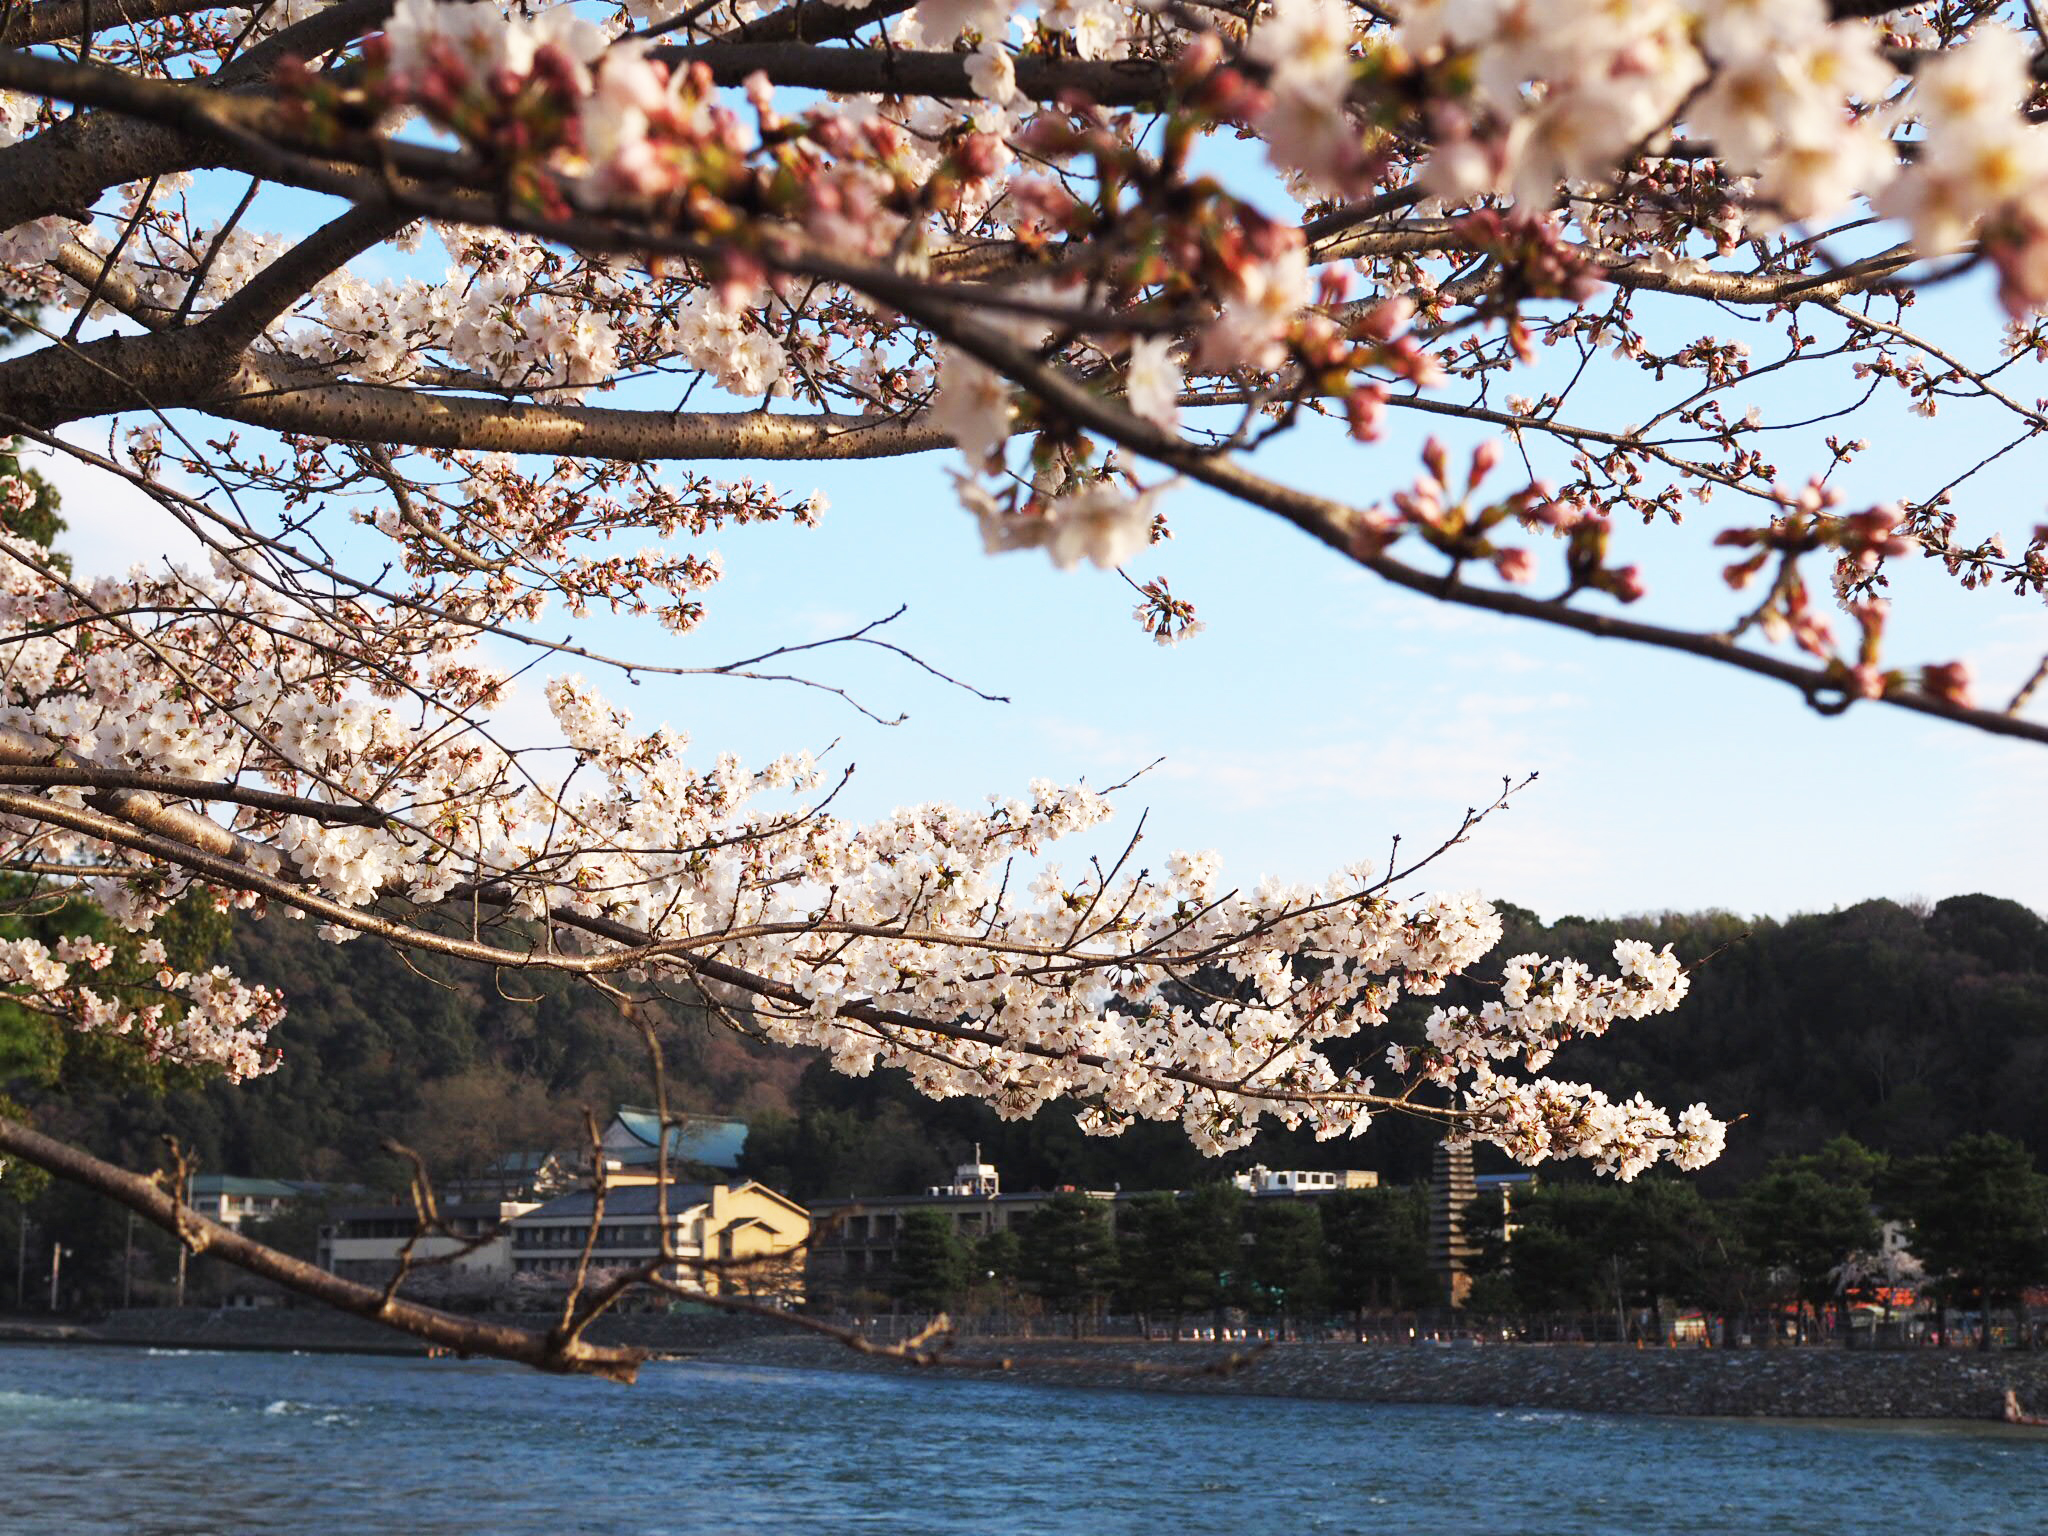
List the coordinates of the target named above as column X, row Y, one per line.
column 750, row 1239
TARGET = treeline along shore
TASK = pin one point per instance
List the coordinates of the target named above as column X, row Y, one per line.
column 1783, row 1382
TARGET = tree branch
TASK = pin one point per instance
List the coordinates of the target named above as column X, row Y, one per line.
column 901, row 72
column 49, row 21
column 552, row 1351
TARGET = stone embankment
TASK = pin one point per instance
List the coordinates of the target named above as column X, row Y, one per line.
column 1777, row 1383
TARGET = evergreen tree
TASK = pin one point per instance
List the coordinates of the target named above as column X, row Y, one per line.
column 1378, row 1245
column 932, row 1262
column 1808, row 1216
column 1066, row 1256
column 1179, row 1253
column 996, row 1257
column 1286, row 1258
column 1979, row 1215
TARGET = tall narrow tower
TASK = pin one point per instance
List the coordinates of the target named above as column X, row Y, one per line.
column 1451, row 1191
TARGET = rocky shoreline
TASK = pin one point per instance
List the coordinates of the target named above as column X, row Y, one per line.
column 1773, row 1383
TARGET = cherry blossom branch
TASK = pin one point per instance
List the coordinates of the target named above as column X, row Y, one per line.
column 1338, row 525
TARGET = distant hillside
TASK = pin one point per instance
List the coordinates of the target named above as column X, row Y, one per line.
column 1897, row 1026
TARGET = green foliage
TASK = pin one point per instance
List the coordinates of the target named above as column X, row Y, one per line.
column 1903, row 1028
column 1569, row 1248
column 1065, row 1255
column 931, row 1262
column 1979, row 1215
column 19, row 1182
column 1379, row 1248
column 38, row 521
column 825, row 1150
column 1807, row 1215
column 1179, row 1254
column 1285, row 1258
column 1584, row 1249
column 996, row 1257
column 40, row 1054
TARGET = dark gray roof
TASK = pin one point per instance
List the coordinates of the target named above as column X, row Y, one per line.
column 451, row 1210
column 1016, row 1197
column 633, row 1200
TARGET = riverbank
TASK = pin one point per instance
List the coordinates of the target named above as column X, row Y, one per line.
column 1766, row 1383
column 1770, row 1383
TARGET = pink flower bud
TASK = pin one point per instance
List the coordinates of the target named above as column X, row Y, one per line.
column 1516, row 565
column 1385, row 320
column 1230, row 96
column 1484, row 459
column 1628, row 583
column 979, row 156
column 1366, row 408
column 1950, row 682
column 1375, row 531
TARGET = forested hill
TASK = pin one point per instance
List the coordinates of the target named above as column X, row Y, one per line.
column 1899, row 1026
column 1902, row 1027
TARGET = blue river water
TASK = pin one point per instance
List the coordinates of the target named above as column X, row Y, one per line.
column 186, row 1444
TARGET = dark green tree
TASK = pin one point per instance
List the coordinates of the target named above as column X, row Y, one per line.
column 1808, row 1216
column 1179, row 1254
column 1378, row 1249
column 1574, row 1252
column 1286, row 1258
column 35, row 519
column 1979, row 1215
column 995, row 1257
column 932, row 1262
column 1066, row 1256
column 1153, row 1257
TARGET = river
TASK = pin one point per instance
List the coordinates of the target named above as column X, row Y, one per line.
column 153, row 1443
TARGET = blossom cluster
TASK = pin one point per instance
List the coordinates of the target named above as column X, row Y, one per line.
column 1543, row 1005
column 218, row 1021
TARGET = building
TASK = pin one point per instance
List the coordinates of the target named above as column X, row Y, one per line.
column 1304, row 1181
column 531, row 1175
column 853, row 1241
column 631, row 1144
column 1509, row 1187
column 365, row 1242
column 231, row 1201
column 1452, row 1248
column 726, row 1224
